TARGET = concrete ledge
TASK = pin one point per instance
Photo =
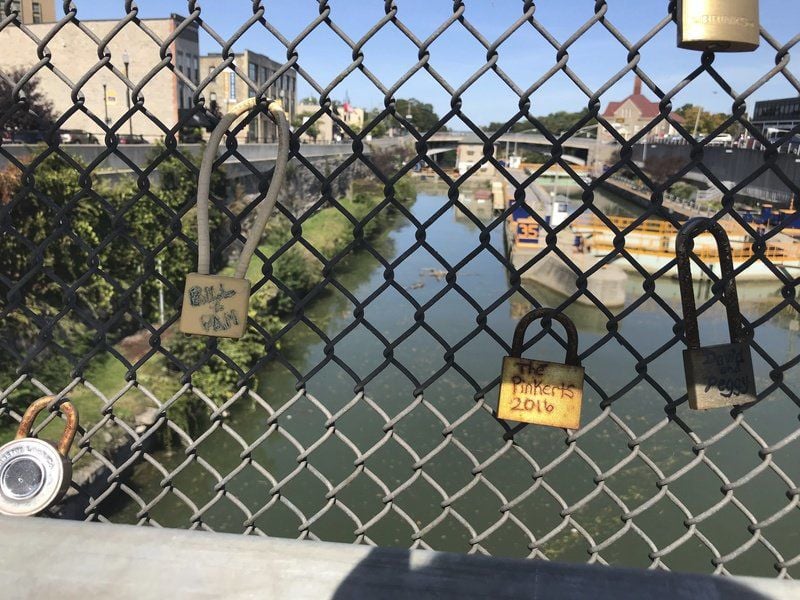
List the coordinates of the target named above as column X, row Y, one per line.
column 43, row 558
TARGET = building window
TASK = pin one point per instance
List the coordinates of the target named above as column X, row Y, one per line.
column 197, row 69
column 37, row 12
column 232, row 86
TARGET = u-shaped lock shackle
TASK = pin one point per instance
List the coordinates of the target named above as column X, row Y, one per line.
column 537, row 391
column 35, row 474
column 37, row 406
column 720, row 375
column 541, row 313
column 692, row 228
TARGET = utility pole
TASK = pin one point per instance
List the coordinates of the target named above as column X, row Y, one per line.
column 697, row 121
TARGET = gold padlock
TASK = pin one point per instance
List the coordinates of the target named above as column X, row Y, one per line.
column 718, row 25
column 216, row 305
column 35, row 474
column 720, row 375
column 540, row 392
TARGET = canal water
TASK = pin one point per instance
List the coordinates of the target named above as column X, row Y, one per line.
column 617, row 480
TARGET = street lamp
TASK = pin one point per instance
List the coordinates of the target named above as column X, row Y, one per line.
column 126, row 60
column 105, row 103
column 409, row 102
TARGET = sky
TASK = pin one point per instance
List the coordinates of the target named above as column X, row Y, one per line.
column 525, row 56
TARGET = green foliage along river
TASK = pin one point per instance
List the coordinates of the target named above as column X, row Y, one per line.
column 396, row 467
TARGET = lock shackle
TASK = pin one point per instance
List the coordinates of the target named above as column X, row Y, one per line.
column 37, row 406
column 730, row 298
column 540, row 313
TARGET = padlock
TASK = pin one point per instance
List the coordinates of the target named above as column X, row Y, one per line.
column 35, row 474
column 215, row 305
column 540, row 392
column 720, row 375
column 718, row 25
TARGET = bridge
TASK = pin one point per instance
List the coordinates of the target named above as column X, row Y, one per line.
column 577, row 150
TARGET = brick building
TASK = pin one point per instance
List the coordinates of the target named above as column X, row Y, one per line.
column 227, row 89
column 106, row 96
column 630, row 115
column 324, row 127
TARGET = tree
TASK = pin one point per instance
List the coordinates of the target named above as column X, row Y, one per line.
column 556, row 122
column 707, row 122
column 423, row 117
column 30, row 111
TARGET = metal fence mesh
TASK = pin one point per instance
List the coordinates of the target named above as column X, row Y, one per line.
column 517, row 489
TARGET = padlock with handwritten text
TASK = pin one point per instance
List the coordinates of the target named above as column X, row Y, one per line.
column 540, row 392
column 719, row 375
column 215, row 305
column 718, row 25
column 35, row 474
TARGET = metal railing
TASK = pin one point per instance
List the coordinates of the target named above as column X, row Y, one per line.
column 243, row 436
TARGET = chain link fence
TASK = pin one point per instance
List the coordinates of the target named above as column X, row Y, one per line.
column 360, row 405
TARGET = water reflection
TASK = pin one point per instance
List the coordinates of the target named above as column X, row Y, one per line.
column 343, row 465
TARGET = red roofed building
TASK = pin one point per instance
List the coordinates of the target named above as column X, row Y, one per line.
column 630, row 115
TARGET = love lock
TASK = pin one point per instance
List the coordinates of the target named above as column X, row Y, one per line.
column 535, row 391
column 35, row 474
column 720, row 375
column 216, row 305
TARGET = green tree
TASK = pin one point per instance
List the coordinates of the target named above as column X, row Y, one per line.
column 422, row 115
column 30, row 111
column 707, row 121
column 556, row 122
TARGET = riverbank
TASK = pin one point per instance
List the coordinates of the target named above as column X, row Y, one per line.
column 111, row 402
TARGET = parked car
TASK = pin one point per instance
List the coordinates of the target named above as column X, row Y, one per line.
column 721, row 138
column 127, row 138
column 28, row 136
column 76, row 136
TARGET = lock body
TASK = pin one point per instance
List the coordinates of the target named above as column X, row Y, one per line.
column 718, row 376
column 540, row 392
column 718, row 25
column 33, row 476
column 215, row 305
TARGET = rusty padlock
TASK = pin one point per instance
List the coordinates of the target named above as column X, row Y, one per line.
column 718, row 25
column 540, row 392
column 35, row 474
column 720, row 375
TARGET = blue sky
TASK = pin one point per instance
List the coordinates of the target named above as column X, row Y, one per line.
column 456, row 55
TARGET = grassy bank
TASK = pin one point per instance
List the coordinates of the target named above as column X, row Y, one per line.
column 328, row 230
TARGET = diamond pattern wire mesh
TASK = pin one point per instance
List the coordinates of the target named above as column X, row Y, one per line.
column 501, row 475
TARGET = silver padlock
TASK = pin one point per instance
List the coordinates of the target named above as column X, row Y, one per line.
column 720, row 375
column 35, row 474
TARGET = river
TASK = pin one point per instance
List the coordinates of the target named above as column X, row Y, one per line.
column 451, row 383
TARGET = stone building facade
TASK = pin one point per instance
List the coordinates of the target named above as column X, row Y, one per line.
column 227, row 89
column 324, row 127
column 34, row 11
column 106, row 95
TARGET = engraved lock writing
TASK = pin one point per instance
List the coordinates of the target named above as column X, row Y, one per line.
column 541, row 392
column 35, row 474
column 719, row 375
column 214, row 305
column 718, row 25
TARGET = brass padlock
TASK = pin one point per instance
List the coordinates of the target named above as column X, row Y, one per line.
column 35, row 474
column 216, row 305
column 720, row 375
column 718, row 25
column 540, row 392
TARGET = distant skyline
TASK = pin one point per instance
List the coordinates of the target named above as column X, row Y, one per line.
column 526, row 56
